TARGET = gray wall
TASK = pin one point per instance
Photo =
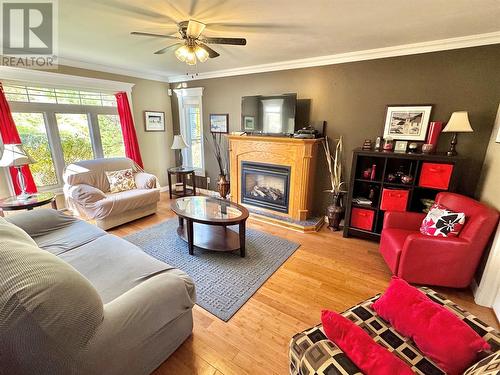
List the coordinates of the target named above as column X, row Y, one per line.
column 352, row 98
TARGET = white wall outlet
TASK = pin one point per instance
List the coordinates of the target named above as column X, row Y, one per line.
column 208, row 180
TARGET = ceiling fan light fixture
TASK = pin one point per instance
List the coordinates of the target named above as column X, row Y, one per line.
column 182, row 52
column 201, row 54
column 191, row 58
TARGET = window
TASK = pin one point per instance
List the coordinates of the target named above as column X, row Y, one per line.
column 191, row 124
column 33, row 133
column 111, row 136
column 60, row 126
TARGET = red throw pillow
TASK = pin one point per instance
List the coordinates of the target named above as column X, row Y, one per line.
column 442, row 222
column 437, row 332
column 370, row 357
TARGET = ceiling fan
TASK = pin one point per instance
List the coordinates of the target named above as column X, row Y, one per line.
column 192, row 45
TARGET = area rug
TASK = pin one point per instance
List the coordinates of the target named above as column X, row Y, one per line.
column 224, row 281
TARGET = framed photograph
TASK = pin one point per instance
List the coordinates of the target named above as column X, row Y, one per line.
column 154, row 121
column 407, row 122
column 219, row 123
column 401, row 146
column 249, row 123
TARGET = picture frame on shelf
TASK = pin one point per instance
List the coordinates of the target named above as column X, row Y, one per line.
column 401, row 146
column 248, row 122
column 407, row 122
column 219, row 123
column 154, row 121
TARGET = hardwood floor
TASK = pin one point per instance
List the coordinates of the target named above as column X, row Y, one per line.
column 327, row 271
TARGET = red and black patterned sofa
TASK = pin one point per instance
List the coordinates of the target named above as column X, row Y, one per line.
column 311, row 353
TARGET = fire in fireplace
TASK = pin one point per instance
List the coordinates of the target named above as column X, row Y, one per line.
column 265, row 185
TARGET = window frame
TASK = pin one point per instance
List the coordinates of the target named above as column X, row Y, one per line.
column 189, row 97
column 49, row 111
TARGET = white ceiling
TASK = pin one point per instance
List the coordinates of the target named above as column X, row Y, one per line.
column 98, row 31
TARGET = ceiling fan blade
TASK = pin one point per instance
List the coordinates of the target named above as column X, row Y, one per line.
column 154, row 35
column 194, row 29
column 233, row 41
column 211, row 53
column 163, row 50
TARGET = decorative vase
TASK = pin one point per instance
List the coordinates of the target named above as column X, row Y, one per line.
column 435, row 128
column 335, row 212
column 223, row 186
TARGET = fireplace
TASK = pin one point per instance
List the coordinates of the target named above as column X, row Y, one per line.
column 265, row 185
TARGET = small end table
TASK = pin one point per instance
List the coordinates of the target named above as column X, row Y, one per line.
column 35, row 200
column 183, row 172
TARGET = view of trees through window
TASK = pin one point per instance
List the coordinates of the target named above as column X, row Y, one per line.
column 74, row 134
column 60, row 126
column 111, row 136
column 31, row 128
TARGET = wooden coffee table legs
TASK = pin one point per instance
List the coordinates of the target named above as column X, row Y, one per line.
column 242, row 238
column 190, row 236
column 212, row 237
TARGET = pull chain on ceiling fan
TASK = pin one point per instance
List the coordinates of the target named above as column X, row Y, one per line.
column 193, row 45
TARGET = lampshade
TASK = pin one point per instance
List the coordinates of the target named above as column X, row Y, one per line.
column 178, row 143
column 14, row 155
column 458, row 123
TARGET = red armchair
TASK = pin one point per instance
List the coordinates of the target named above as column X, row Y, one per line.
column 442, row 261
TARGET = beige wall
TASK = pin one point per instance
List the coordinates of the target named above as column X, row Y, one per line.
column 352, row 98
column 146, row 95
column 489, row 185
column 489, row 192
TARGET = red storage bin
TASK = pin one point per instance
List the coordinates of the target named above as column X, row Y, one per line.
column 394, row 199
column 435, row 175
column 362, row 219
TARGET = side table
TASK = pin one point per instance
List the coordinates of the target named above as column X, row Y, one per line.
column 35, row 200
column 183, row 172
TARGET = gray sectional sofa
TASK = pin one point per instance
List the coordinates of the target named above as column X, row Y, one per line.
column 76, row 300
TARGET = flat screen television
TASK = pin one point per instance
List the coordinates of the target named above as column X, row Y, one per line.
column 268, row 114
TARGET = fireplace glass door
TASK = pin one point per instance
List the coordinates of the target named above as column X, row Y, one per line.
column 265, row 185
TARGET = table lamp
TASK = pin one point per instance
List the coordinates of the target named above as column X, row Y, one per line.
column 458, row 123
column 179, row 144
column 14, row 155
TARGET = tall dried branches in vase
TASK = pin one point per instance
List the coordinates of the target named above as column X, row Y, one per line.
column 335, row 211
column 219, row 147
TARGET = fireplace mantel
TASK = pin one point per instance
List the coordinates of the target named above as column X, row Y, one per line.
column 298, row 154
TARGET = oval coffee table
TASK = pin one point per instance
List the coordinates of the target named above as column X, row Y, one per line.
column 207, row 220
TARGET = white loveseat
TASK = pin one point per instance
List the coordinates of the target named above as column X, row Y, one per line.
column 87, row 193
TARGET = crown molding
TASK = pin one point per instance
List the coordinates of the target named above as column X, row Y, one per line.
column 144, row 74
column 377, row 53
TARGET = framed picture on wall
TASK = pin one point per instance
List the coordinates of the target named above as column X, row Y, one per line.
column 154, row 121
column 407, row 122
column 219, row 123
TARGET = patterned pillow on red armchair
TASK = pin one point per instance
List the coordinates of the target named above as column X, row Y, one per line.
column 440, row 221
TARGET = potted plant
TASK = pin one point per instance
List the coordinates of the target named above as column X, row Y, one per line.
column 218, row 147
column 335, row 211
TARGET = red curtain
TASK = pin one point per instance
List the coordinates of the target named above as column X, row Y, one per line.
column 128, row 130
column 10, row 135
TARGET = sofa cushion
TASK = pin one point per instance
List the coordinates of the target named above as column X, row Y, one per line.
column 54, row 231
column 414, row 315
column 443, row 222
column 42, row 295
column 369, row 356
column 311, row 353
column 113, row 265
column 128, row 200
column 121, row 180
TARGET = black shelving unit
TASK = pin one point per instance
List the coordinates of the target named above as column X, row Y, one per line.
column 389, row 163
